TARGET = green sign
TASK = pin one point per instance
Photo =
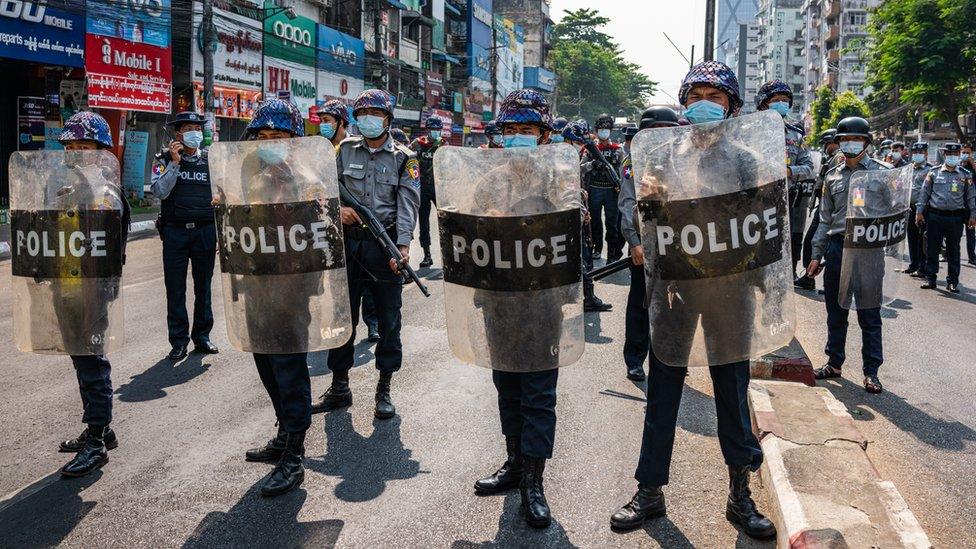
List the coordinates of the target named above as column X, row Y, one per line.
column 458, row 102
column 289, row 39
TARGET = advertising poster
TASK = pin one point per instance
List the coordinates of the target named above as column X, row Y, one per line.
column 51, row 32
column 237, row 58
column 134, row 168
column 30, row 123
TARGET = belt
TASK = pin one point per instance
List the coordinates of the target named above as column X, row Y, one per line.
column 603, row 184
column 191, row 225
column 949, row 212
column 358, row 232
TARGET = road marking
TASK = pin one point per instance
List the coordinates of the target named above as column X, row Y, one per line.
column 29, row 489
column 143, row 283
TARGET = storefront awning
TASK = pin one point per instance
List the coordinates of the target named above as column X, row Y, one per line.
column 449, row 7
column 438, row 56
column 397, row 4
column 419, row 17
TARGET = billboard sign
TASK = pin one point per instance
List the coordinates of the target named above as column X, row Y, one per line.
column 51, row 32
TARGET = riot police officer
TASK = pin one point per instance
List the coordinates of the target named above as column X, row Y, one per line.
column 87, row 130
column 558, row 126
column 969, row 165
column 494, row 135
column 425, row 147
column 284, row 375
column 853, row 137
column 897, row 155
column 829, row 147
column 526, row 400
column 778, row 96
column 400, row 136
column 709, row 93
column 181, row 180
column 916, row 232
column 602, row 191
column 637, row 337
column 333, row 125
column 946, row 205
column 882, row 152
column 385, row 177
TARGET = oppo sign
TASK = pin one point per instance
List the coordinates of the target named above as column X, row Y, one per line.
column 292, row 33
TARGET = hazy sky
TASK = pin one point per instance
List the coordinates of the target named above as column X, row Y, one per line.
column 639, row 27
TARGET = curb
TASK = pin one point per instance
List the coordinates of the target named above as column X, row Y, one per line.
column 136, row 229
column 789, row 363
column 824, row 491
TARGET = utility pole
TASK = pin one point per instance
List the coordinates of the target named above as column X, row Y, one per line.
column 709, row 31
column 692, row 62
column 209, row 41
column 494, row 67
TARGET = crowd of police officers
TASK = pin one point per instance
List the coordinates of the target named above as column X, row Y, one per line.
column 395, row 181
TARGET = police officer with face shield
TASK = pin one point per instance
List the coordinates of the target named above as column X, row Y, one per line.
column 425, row 147
column 916, row 231
column 946, row 205
column 853, row 136
column 831, row 157
column 385, row 177
column 709, row 93
column 602, row 191
column 181, row 180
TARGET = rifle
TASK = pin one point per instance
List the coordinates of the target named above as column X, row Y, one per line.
column 597, row 155
column 610, row 268
column 376, row 228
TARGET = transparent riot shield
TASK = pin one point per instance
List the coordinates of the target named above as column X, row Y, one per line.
column 874, row 241
column 715, row 230
column 66, row 251
column 510, row 232
column 282, row 259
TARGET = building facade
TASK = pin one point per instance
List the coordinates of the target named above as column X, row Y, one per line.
column 781, row 49
column 744, row 59
column 729, row 15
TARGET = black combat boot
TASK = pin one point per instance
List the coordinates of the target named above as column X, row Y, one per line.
column 270, row 452
column 92, row 456
column 508, row 476
column 76, row 444
column 338, row 395
column 740, row 508
column 592, row 303
column 534, row 503
column 289, row 472
column 384, row 405
column 804, row 282
column 427, row 261
column 646, row 504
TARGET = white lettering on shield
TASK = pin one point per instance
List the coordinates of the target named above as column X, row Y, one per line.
column 692, row 239
column 60, row 244
column 484, row 253
column 879, row 233
column 277, row 239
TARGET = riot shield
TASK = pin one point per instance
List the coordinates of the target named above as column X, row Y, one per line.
column 510, row 232
column 716, row 235
column 877, row 223
column 66, row 251
column 282, row 258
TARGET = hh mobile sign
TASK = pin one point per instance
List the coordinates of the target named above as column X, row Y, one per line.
column 127, row 55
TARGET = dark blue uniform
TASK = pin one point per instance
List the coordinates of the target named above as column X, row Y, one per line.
column 188, row 234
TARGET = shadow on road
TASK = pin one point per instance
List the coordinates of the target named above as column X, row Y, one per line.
column 151, row 384
column 513, row 532
column 364, row 464
column 947, row 435
column 261, row 522
column 47, row 512
column 592, row 329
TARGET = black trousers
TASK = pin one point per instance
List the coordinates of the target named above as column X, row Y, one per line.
column 95, row 385
column 427, row 199
column 181, row 247
column 367, row 266
column 285, row 377
column 527, row 408
column 970, row 244
column 637, row 328
column 949, row 228
column 916, row 243
column 664, row 387
column 872, row 351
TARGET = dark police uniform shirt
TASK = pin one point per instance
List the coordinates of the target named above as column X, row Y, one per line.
column 184, row 188
column 425, row 147
column 594, row 173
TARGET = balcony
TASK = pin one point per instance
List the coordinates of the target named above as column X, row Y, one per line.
column 830, row 80
column 832, row 9
column 855, row 5
column 833, row 56
column 833, row 33
column 852, row 30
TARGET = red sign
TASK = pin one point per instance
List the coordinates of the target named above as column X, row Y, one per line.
column 128, row 75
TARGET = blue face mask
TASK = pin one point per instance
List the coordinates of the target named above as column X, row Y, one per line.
column 273, row 153
column 557, row 138
column 192, row 139
column 895, row 156
column 918, row 158
column 435, row 135
column 370, row 126
column 603, row 134
column 521, row 140
column 327, row 130
column 852, row 149
column 498, row 140
column 704, row 111
column 952, row 161
column 964, row 156
column 782, row 107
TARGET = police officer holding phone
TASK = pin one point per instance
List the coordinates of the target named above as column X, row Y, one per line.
column 181, row 179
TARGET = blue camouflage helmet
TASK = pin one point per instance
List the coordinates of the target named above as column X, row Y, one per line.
column 576, row 131
column 399, row 136
column 771, row 88
column 525, row 107
column 717, row 75
column 375, row 99
column 276, row 114
column 559, row 124
column 492, row 128
column 434, row 123
column 337, row 109
column 86, row 126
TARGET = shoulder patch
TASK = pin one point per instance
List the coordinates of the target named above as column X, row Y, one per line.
column 158, row 168
column 413, row 170
column 628, row 168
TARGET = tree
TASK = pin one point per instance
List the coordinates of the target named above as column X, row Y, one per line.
column 820, row 110
column 592, row 74
column 844, row 105
column 924, row 49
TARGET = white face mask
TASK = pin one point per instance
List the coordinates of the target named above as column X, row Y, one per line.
column 895, row 156
column 852, row 149
column 603, row 134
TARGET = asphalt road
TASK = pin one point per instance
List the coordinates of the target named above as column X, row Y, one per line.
column 178, row 478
